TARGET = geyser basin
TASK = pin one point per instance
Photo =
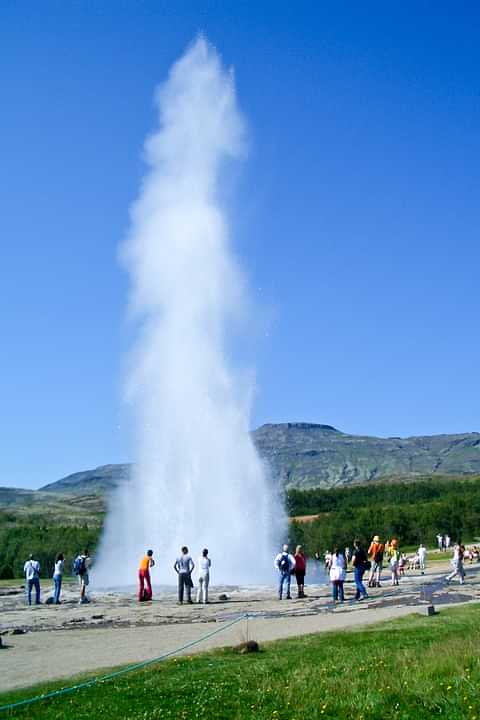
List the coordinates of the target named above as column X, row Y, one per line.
column 198, row 480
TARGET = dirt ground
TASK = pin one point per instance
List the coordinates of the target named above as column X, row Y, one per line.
column 47, row 642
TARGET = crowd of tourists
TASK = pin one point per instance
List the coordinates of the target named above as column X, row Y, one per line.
column 81, row 566
column 184, row 567
column 367, row 563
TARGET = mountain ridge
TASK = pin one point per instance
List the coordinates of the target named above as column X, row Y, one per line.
column 305, row 455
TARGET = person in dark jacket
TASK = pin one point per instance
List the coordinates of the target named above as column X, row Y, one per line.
column 359, row 562
column 300, row 570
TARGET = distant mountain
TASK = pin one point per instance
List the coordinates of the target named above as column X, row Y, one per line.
column 304, row 455
column 91, row 482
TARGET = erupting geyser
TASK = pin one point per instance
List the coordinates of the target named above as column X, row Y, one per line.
column 197, row 479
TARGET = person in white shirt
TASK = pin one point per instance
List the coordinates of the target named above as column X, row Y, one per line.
column 338, row 573
column 204, row 564
column 457, row 563
column 285, row 564
column 31, row 570
column 422, row 557
column 57, row 577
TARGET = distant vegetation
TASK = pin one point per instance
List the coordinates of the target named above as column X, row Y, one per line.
column 413, row 512
column 44, row 536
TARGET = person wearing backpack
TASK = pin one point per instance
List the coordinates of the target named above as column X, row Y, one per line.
column 81, row 566
column 32, row 576
column 285, row 564
column 376, row 551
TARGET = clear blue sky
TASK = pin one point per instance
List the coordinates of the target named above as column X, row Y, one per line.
column 357, row 220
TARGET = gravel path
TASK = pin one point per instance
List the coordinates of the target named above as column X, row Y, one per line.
column 56, row 642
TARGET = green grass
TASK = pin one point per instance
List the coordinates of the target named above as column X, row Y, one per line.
column 413, row 668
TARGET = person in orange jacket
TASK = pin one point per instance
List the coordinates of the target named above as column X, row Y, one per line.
column 375, row 552
column 145, row 593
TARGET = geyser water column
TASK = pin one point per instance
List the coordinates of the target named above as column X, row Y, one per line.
column 197, row 479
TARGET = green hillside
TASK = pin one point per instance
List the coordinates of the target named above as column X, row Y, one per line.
column 305, row 455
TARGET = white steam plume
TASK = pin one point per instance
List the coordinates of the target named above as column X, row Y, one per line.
column 197, row 480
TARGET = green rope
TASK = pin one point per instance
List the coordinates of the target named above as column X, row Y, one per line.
column 117, row 673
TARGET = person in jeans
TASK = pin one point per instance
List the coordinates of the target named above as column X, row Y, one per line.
column 300, row 570
column 144, row 581
column 57, row 578
column 284, row 563
column 31, row 570
column 184, row 567
column 338, row 573
column 359, row 562
column 204, row 564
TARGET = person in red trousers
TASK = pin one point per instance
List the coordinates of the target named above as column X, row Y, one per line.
column 145, row 589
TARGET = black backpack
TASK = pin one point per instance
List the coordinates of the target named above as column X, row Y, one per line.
column 284, row 564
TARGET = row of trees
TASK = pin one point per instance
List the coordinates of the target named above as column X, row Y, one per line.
column 411, row 512
column 44, row 538
column 318, row 500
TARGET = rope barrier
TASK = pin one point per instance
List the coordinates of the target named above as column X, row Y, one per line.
column 145, row 663
column 118, row 673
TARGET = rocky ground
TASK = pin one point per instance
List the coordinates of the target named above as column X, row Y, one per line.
column 46, row 641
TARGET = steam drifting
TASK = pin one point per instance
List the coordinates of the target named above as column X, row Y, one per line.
column 197, row 479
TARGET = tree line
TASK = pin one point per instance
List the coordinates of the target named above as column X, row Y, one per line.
column 44, row 538
column 413, row 512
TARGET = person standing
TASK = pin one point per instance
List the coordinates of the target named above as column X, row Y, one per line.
column 457, row 563
column 81, row 567
column 440, row 542
column 422, row 557
column 57, row 578
column 447, row 542
column 285, row 564
column 338, row 573
column 375, row 552
column 300, row 570
column 359, row 562
column 31, row 571
column 348, row 555
column 204, row 564
column 394, row 554
column 144, row 581
column 184, row 567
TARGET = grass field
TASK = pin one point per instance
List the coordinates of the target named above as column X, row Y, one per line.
column 414, row 668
